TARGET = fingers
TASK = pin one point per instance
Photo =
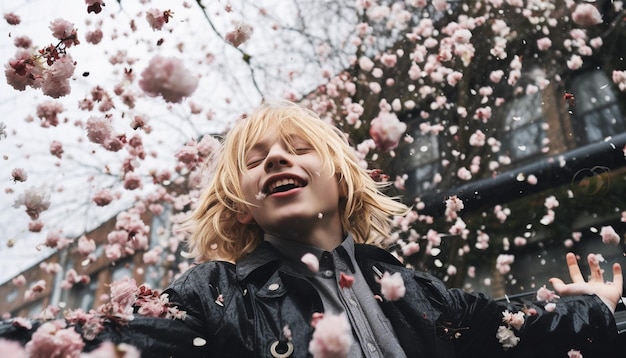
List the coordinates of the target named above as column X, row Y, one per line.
column 574, row 269
column 618, row 278
column 594, row 266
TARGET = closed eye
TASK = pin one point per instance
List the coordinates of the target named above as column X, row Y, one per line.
column 253, row 162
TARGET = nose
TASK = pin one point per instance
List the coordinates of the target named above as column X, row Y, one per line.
column 277, row 157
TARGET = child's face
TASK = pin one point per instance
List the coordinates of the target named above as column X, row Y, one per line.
column 289, row 187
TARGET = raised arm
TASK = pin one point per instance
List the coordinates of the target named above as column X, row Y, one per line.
column 610, row 292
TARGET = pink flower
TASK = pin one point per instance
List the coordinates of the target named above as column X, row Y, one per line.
column 99, row 129
column 392, row 286
column 12, row 349
column 49, row 111
column 35, row 226
column 37, row 288
column 19, row 174
column 24, row 69
column 515, row 320
column 574, row 354
column 94, row 6
column 440, row 5
column 239, row 35
column 123, row 295
column 19, row 280
column 53, row 340
column 609, row 236
column 157, row 18
column 56, row 79
column 12, row 18
column 389, row 60
column 575, row 62
column 619, row 78
column 55, row 240
column 132, row 181
column 311, row 262
column 107, row 349
column 544, row 43
column 152, row 256
column 169, row 78
column 64, row 31
column 387, row 130
column 56, row 148
column 366, row 64
column 94, row 37
column 345, row 280
column 507, row 337
column 332, row 337
column 86, row 245
column 586, row 15
column 35, row 200
column 103, row 197
column 503, row 263
column 547, row 295
column 410, row 249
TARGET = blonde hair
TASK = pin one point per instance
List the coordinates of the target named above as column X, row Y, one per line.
column 215, row 232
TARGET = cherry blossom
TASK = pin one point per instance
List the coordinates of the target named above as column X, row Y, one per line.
column 19, row 174
column 586, row 14
column 609, row 236
column 103, row 197
column 12, row 18
column 392, row 286
column 167, row 77
column 311, row 262
column 94, row 6
column 240, row 34
column 35, row 200
column 503, row 263
column 12, row 349
column 332, row 337
column 547, row 295
column 507, row 337
column 515, row 320
column 386, row 130
column 619, row 77
column 55, row 340
column 345, row 280
column 86, row 245
column 108, row 349
column 574, row 354
column 157, row 18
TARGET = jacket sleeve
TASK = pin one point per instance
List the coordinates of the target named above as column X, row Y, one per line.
column 581, row 323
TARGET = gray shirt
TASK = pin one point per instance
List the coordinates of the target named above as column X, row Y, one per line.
column 373, row 334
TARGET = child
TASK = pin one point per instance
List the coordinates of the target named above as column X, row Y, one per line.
column 283, row 237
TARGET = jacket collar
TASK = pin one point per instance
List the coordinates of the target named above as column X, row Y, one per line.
column 267, row 258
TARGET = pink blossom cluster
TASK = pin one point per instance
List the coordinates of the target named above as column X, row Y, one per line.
column 130, row 234
column 392, row 286
column 50, row 68
column 35, row 200
column 386, row 130
column 240, row 34
column 332, row 337
column 157, row 18
column 168, row 78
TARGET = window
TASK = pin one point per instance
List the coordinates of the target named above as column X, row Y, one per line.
column 596, row 112
column 523, row 133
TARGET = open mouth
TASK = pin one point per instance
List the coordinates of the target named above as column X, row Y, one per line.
column 283, row 185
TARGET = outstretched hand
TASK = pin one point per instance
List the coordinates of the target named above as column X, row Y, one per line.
column 610, row 292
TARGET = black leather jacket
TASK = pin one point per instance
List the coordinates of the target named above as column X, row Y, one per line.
column 240, row 311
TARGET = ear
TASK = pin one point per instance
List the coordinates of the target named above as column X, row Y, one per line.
column 245, row 217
